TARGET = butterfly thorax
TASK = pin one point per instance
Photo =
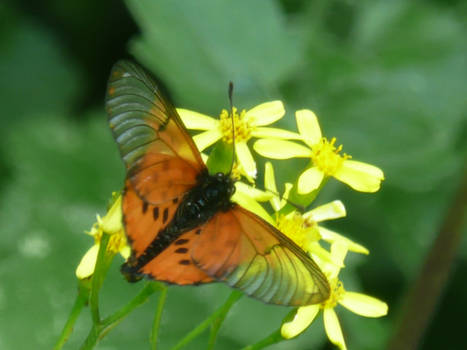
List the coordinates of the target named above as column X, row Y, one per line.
column 211, row 194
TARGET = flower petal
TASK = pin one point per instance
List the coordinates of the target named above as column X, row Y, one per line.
column 269, row 178
column 360, row 176
column 87, row 263
column 303, row 318
column 308, row 126
column 280, row 149
column 256, row 194
column 333, row 328
column 197, row 121
column 321, row 255
column 363, row 304
column 249, row 203
column 206, row 139
column 332, row 237
column 285, row 196
column 266, row 113
column 338, row 254
column 245, row 158
column 111, row 223
column 329, row 211
column 125, row 252
column 265, row 132
column 309, row 180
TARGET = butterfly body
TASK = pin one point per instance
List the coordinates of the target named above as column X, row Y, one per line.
column 211, row 194
column 180, row 221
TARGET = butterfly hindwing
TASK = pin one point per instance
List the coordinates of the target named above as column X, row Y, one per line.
column 175, row 265
column 247, row 253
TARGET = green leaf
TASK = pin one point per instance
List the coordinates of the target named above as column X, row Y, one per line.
column 198, row 47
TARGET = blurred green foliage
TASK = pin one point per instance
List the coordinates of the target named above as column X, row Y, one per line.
column 388, row 79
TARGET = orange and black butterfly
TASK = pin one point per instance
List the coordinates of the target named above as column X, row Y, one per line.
column 179, row 219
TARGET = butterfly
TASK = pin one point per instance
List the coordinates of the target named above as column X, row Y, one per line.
column 179, row 219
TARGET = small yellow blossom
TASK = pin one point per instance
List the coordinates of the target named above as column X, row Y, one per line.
column 248, row 124
column 305, row 229
column 110, row 224
column 325, row 157
column 358, row 303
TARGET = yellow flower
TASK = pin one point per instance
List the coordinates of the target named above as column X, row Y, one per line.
column 305, row 229
column 110, row 224
column 248, row 124
column 325, row 157
column 358, row 303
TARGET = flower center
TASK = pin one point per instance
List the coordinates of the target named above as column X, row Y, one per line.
column 242, row 126
column 326, row 157
column 337, row 289
column 117, row 242
column 293, row 226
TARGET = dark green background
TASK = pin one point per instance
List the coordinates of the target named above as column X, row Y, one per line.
column 387, row 78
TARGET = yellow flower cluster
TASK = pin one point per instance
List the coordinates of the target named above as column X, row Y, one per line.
column 110, row 224
column 326, row 160
column 304, row 228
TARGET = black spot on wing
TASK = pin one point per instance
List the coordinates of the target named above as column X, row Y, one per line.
column 184, row 262
column 155, row 213
column 181, row 250
column 181, row 241
column 165, row 215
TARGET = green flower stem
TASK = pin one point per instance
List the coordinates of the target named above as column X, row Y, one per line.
column 102, row 265
column 233, row 298
column 99, row 330
column 81, row 300
column 140, row 298
column 273, row 338
column 91, row 339
column 428, row 288
column 217, row 323
column 158, row 316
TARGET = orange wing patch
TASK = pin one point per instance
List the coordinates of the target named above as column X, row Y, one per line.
column 175, row 265
column 161, row 178
column 247, row 253
column 143, row 221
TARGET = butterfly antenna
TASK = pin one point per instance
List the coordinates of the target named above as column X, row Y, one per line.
column 231, row 86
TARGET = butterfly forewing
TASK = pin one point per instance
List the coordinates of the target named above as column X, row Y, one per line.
column 143, row 221
column 249, row 254
column 149, row 133
column 162, row 165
